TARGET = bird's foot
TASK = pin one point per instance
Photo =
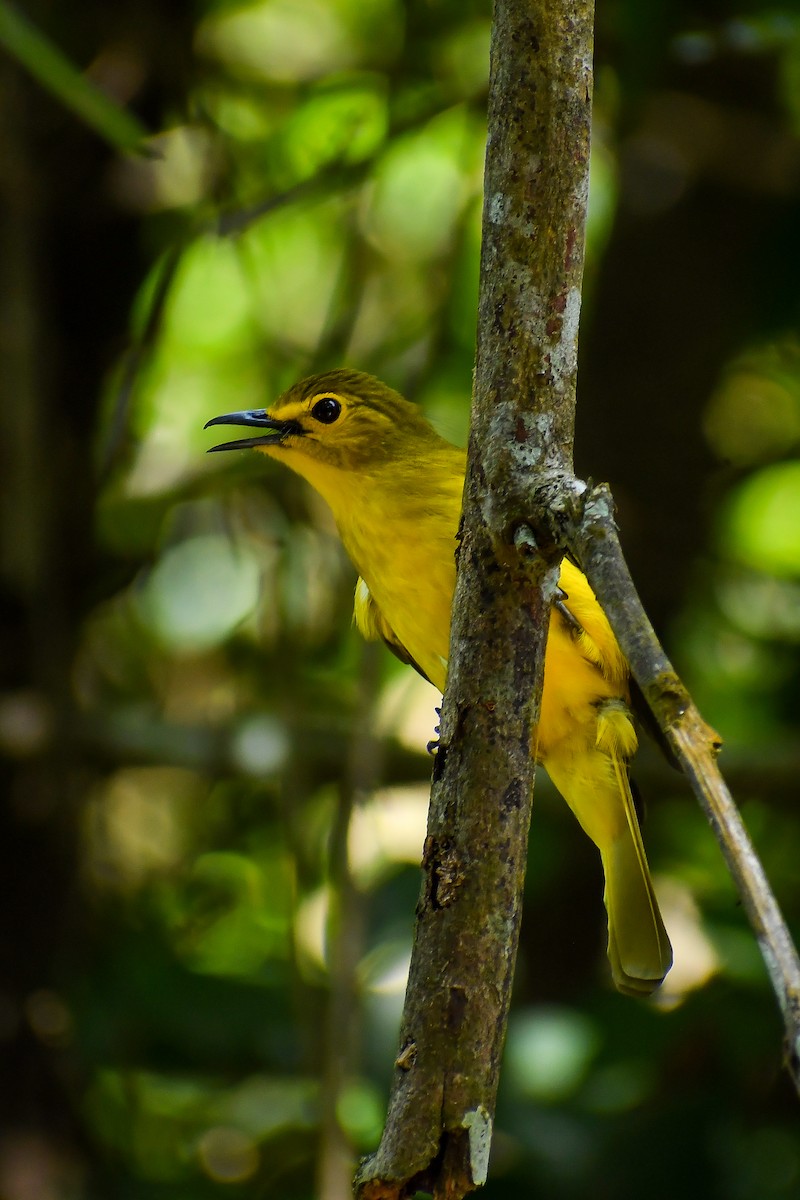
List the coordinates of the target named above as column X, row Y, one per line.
column 433, row 744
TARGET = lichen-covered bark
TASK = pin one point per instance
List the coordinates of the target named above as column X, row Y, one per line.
column 438, row 1130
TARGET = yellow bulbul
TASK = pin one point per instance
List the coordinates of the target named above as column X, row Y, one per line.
column 394, row 487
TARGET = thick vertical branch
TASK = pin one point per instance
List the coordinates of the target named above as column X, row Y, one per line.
column 438, row 1130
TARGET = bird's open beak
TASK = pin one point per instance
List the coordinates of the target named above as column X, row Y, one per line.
column 258, row 419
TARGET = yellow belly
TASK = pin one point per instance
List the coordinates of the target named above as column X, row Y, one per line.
column 414, row 594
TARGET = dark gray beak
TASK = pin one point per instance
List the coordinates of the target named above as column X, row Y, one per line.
column 256, row 418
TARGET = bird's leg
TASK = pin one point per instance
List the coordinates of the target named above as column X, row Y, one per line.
column 558, row 603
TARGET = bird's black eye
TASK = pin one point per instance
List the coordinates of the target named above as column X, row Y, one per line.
column 326, row 410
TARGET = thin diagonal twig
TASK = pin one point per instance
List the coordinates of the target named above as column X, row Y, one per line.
column 595, row 544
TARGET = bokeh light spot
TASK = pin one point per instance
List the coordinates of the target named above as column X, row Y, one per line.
column 762, row 524
column 549, row 1051
column 228, row 1155
column 199, row 592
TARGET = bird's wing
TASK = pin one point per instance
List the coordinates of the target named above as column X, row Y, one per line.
column 588, row 624
column 372, row 625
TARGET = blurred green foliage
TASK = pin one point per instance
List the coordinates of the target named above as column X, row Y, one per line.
column 215, row 796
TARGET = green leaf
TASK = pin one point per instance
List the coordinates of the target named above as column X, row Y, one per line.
column 56, row 73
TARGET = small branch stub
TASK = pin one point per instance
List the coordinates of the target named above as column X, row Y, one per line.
column 478, row 1124
column 524, row 540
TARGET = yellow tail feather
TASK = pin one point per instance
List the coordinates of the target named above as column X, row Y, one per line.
column 638, row 947
column 595, row 785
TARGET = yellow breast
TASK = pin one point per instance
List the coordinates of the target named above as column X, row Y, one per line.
column 401, row 536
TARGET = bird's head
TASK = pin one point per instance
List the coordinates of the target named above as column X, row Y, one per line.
column 344, row 420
